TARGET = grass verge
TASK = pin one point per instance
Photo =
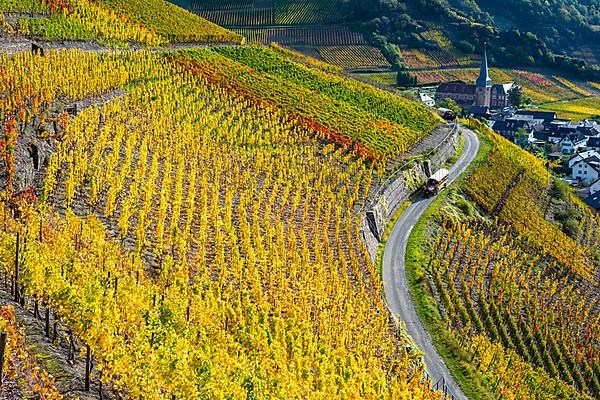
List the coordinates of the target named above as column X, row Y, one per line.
column 390, row 224
column 450, row 347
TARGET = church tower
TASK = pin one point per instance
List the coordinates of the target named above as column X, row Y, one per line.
column 483, row 84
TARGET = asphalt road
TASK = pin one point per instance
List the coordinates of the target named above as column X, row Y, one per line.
column 394, row 273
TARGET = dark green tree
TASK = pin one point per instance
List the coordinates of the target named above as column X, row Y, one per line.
column 517, row 97
column 406, row 79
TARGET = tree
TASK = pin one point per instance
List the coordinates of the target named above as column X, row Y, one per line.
column 517, row 97
column 450, row 105
column 521, row 137
column 406, row 79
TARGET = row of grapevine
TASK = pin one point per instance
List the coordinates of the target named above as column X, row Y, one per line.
column 572, row 86
column 303, row 36
column 492, row 283
column 443, row 58
column 298, row 12
column 204, row 5
column 354, row 57
column 20, row 363
column 215, row 252
column 246, row 17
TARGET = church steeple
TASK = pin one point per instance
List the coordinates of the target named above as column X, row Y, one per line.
column 484, row 77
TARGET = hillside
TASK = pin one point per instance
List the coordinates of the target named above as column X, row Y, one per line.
column 117, row 23
column 507, row 263
column 185, row 216
column 518, row 34
column 558, row 34
column 375, row 123
column 197, row 233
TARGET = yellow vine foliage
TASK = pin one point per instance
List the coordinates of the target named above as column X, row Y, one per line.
column 491, row 282
column 205, row 246
column 510, row 183
column 20, row 363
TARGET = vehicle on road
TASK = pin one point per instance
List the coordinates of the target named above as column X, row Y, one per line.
column 447, row 114
column 436, row 182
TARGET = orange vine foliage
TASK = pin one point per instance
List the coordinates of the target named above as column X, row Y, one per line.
column 20, row 361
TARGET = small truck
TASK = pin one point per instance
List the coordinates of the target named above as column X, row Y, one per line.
column 447, row 114
column 436, row 182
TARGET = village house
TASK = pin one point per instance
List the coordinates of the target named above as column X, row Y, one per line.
column 552, row 131
column 582, row 155
column 595, row 186
column 572, row 143
column 426, row 100
column 545, row 116
column 593, row 200
column 593, row 143
column 587, row 170
column 510, row 127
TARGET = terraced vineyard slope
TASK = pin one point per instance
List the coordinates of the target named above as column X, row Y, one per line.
column 375, row 123
column 114, row 22
column 202, row 243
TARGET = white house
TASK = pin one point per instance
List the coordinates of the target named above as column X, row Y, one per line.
column 582, row 155
column 426, row 99
column 595, row 186
column 587, row 170
column 572, row 143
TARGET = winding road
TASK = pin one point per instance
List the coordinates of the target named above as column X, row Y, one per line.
column 394, row 273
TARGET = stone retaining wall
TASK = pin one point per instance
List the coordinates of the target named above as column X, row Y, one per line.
column 409, row 179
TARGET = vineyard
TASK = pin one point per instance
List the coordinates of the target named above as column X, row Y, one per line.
column 245, row 17
column 490, row 283
column 304, row 36
column 575, row 110
column 300, row 12
column 435, row 58
column 153, row 23
column 383, row 78
column 354, row 57
column 205, row 244
column 375, row 123
column 21, row 364
column 204, row 5
column 281, row 12
column 515, row 290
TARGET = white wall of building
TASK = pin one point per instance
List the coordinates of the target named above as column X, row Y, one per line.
column 583, row 171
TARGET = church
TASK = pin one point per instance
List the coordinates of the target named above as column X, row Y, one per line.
column 482, row 94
